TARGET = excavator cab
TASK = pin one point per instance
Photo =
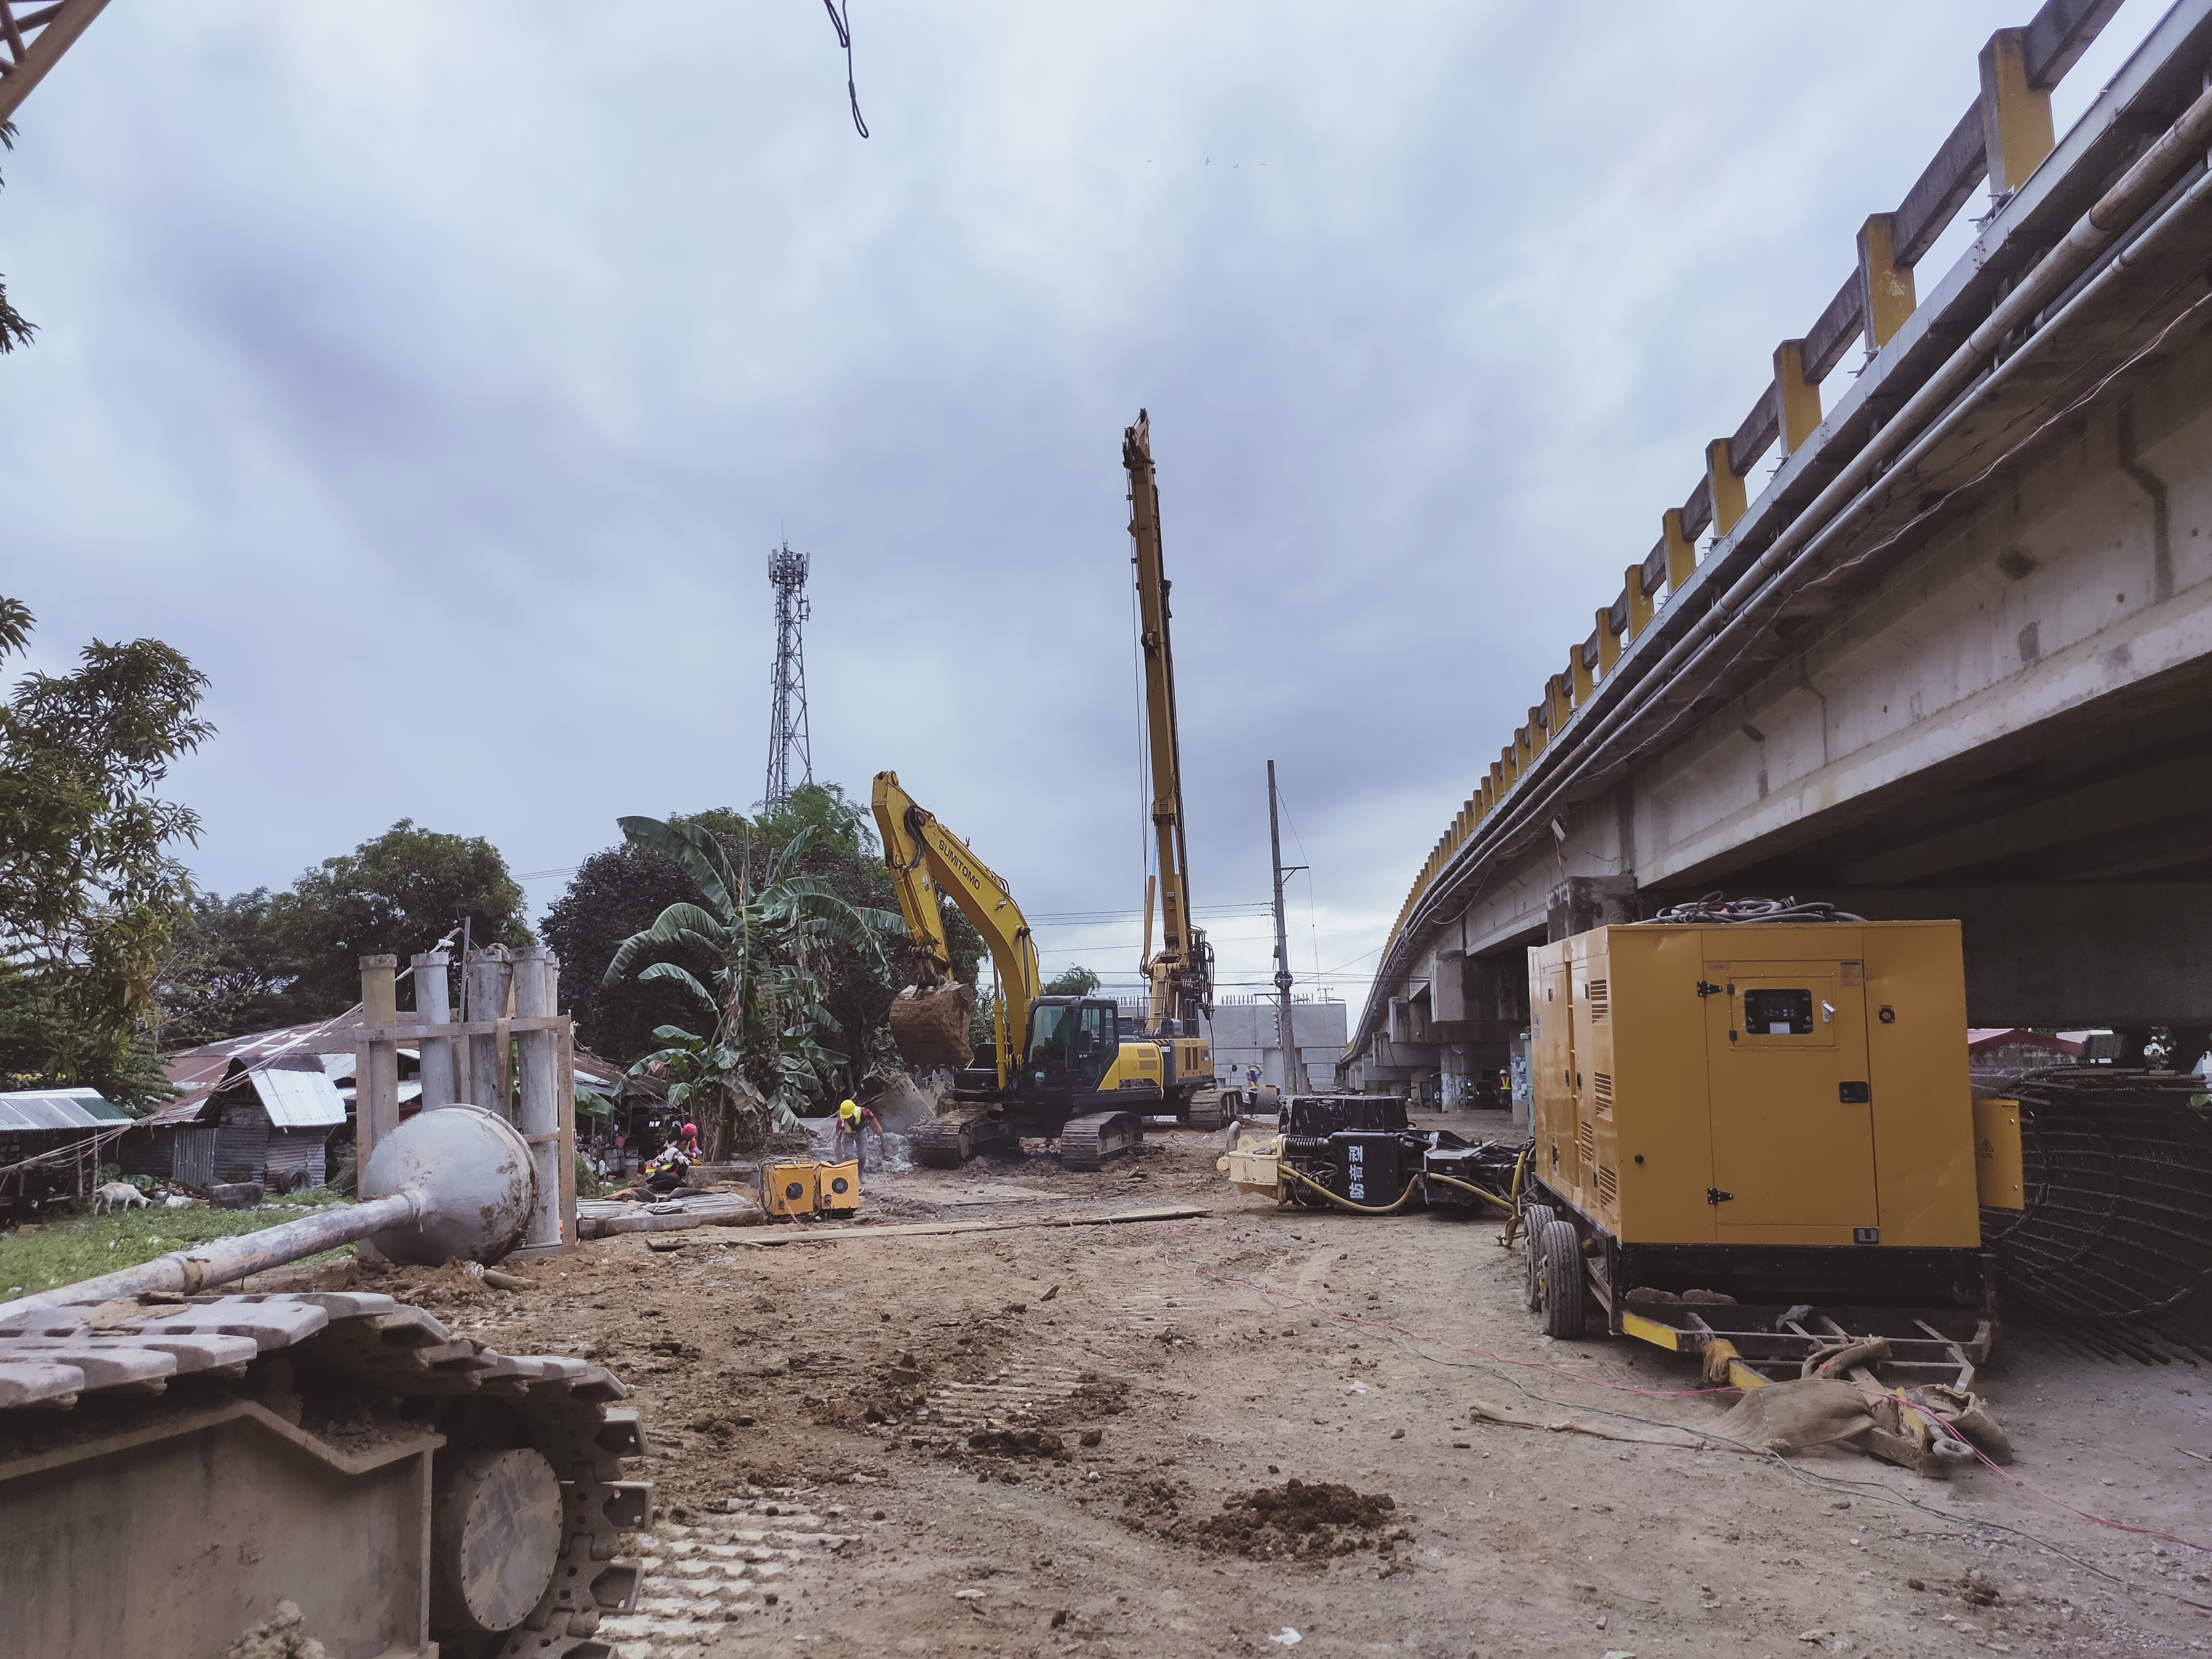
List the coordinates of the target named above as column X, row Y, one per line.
column 1072, row 1042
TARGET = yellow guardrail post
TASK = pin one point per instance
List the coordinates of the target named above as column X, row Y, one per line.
column 1639, row 602
column 1801, row 403
column 2016, row 125
column 1681, row 552
column 1728, row 501
column 1884, row 285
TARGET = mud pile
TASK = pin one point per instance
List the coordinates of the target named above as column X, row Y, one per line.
column 1020, row 1442
column 1298, row 1520
column 930, row 1027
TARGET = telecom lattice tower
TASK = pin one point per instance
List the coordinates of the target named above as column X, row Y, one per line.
column 786, row 731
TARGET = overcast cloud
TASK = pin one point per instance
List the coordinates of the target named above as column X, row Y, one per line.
column 438, row 378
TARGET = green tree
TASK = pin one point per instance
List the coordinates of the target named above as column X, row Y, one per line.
column 764, row 924
column 620, row 891
column 14, row 331
column 614, row 894
column 1078, row 981
column 227, row 972
column 89, row 892
column 840, row 824
column 398, row 894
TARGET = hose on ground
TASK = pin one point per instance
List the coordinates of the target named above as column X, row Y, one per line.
column 1404, row 1198
column 1513, row 1195
column 1469, row 1186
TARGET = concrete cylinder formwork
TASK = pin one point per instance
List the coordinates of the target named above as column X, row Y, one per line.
column 490, row 975
column 434, row 1006
column 539, row 1106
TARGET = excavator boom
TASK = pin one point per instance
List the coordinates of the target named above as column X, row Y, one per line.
column 926, row 859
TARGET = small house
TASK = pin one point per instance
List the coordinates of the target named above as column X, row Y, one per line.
column 267, row 1120
column 51, row 1145
column 274, row 1122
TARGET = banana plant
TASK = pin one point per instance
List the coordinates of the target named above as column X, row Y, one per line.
column 760, row 1058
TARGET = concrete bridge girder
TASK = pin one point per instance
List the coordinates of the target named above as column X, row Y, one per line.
column 2060, row 633
column 1972, row 677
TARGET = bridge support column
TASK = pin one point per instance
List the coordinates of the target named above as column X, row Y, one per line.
column 1581, row 903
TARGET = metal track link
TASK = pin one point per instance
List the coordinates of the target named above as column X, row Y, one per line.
column 942, row 1145
column 950, row 1141
column 1087, row 1142
column 52, row 1356
column 1208, row 1110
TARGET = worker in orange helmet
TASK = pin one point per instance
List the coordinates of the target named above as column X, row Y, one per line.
column 689, row 1135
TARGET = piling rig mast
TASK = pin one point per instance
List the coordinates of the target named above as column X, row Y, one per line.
column 1179, row 974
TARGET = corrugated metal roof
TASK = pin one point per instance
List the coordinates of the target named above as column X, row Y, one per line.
column 200, row 1072
column 57, row 1108
column 298, row 1094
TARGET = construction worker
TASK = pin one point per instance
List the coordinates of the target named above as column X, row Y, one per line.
column 690, row 1136
column 853, row 1121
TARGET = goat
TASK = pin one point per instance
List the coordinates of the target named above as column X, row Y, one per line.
column 116, row 1195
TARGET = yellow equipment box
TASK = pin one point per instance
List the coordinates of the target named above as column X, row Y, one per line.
column 789, row 1190
column 1757, row 1141
column 1787, row 1085
column 1997, row 1153
column 837, row 1186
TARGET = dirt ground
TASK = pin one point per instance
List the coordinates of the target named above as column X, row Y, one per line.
column 1048, row 1439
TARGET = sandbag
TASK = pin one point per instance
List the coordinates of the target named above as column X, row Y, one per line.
column 1811, row 1411
column 930, row 1027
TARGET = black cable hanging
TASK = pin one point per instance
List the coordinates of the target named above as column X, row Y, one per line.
column 1713, row 909
column 842, row 23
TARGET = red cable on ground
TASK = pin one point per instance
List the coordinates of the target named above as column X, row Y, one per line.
column 2017, row 1480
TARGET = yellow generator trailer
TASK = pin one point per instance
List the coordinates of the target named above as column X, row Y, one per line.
column 1763, row 1133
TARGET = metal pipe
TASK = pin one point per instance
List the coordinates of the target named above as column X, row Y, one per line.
column 220, row 1260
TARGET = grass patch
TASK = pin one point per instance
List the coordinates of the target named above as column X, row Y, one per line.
column 57, row 1253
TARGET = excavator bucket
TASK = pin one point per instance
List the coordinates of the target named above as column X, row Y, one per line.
column 930, row 1027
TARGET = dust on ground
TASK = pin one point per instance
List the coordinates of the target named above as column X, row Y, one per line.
column 1109, row 1441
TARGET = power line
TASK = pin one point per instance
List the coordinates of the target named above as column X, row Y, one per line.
column 842, row 23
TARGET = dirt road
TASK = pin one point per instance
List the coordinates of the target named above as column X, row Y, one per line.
column 1022, row 1442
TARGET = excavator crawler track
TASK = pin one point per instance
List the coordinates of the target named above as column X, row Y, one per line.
column 1208, row 1110
column 323, row 1415
column 1087, row 1142
column 948, row 1142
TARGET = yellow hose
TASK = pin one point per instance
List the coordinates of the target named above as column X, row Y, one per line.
column 1346, row 1203
column 1469, row 1186
column 1513, row 1226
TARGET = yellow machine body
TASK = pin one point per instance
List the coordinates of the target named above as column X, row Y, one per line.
column 837, row 1186
column 1998, row 1158
column 1759, row 1085
column 789, row 1188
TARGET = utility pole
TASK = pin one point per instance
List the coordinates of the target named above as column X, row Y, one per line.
column 787, row 729
column 1294, row 1073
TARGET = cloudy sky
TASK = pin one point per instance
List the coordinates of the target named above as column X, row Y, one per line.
column 438, row 378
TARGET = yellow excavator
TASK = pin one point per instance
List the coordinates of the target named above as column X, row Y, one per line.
column 1181, row 972
column 1060, row 1067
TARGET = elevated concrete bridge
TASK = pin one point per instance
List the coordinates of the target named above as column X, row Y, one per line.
column 1955, row 659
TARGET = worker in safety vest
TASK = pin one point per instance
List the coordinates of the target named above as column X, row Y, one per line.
column 853, row 1120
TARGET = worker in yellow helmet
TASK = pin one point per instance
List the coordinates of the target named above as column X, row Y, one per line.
column 854, row 1121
